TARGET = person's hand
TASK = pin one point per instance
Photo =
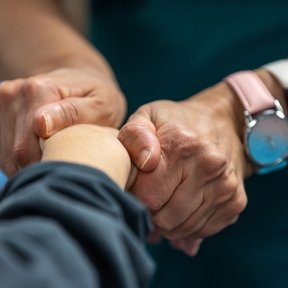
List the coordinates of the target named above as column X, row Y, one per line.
column 41, row 105
column 191, row 164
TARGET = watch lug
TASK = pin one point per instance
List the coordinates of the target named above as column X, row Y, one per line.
column 249, row 120
column 279, row 109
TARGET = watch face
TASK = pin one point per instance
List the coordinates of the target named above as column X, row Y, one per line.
column 267, row 140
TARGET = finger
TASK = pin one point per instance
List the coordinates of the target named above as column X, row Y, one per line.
column 53, row 117
column 7, row 107
column 190, row 246
column 139, row 138
column 26, row 147
column 149, row 188
column 225, row 215
column 195, row 199
column 213, row 194
column 132, row 176
column 7, row 140
column 185, row 201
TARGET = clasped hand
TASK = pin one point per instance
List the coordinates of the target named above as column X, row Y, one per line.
column 189, row 154
column 43, row 104
column 191, row 165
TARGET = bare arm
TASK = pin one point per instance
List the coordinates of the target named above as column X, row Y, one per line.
column 36, row 38
column 90, row 145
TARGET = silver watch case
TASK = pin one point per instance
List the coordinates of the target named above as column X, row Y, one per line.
column 266, row 138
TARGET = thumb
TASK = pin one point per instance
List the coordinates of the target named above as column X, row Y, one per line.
column 53, row 117
column 139, row 138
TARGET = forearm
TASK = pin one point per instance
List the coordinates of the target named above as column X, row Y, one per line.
column 90, row 145
column 35, row 38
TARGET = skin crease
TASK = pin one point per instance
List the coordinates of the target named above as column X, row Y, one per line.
column 192, row 169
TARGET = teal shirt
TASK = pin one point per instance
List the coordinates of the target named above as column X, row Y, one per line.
column 164, row 49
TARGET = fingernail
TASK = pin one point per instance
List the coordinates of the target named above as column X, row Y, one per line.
column 132, row 177
column 143, row 158
column 49, row 123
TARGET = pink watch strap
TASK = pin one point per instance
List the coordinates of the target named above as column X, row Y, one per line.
column 252, row 92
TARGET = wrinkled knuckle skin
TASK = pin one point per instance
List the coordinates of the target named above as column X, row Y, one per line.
column 186, row 144
column 229, row 187
column 239, row 204
column 165, row 225
column 7, row 92
column 69, row 113
column 131, row 132
column 150, row 199
column 31, row 87
column 233, row 220
column 35, row 87
column 107, row 111
column 112, row 105
column 214, row 164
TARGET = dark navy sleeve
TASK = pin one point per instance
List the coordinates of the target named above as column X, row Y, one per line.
column 67, row 225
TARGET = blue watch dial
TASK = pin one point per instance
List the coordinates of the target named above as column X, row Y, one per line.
column 267, row 141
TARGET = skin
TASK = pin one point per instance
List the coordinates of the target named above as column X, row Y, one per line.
column 90, row 145
column 192, row 173
column 64, row 82
column 189, row 154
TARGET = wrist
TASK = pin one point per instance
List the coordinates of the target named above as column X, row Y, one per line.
column 274, row 86
column 90, row 145
column 223, row 104
column 266, row 125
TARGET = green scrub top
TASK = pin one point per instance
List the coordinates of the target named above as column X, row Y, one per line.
column 164, row 49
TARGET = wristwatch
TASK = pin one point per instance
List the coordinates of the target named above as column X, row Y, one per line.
column 266, row 133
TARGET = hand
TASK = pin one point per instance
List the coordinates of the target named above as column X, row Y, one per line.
column 44, row 104
column 191, row 164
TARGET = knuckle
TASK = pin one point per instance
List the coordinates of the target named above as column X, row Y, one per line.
column 165, row 225
column 240, row 204
column 229, row 185
column 32, row 86
column 37, row 86
column 185, row 143
column 7, row 91
column 236, row 205
column 107, row 110
column 153, row 201
column 131, row 131
column 112, row 105
column 215, row 164
column 233, row 220
column 69, row 113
